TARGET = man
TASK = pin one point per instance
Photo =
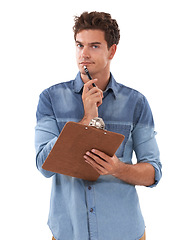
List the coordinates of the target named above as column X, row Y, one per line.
column 107, row 209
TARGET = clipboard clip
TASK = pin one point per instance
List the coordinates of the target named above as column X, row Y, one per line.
column 97, row 123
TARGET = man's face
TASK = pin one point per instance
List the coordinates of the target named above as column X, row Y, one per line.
column 92, row 51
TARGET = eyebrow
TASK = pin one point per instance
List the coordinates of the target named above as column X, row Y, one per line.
column 92, row 43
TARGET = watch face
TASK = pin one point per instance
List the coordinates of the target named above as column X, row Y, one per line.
column 97, row 122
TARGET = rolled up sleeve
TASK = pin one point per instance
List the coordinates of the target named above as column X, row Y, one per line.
column 144, row 141
column 46, row 132
column 146, row 150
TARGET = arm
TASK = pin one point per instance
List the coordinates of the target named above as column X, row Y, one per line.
column 92, row 99
column 137, row 174
column 46, row 132
column 147, row 171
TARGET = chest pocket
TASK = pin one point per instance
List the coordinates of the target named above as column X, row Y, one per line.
column 124, row 129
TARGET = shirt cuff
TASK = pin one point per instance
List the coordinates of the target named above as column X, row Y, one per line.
column 158, row 173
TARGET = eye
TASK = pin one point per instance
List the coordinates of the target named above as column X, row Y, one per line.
column 95, row 46
column 79, row 45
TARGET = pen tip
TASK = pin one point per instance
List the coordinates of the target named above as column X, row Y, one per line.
column 84, row 67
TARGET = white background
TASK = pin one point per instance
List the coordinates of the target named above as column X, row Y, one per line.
column 155, row 56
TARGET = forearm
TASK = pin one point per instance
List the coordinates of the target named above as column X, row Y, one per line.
column 92, row 99
column 46, row 134
column 42, row 155
column 137, row 174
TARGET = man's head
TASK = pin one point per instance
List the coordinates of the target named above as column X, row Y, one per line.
column 99, row 21
column 96, row 37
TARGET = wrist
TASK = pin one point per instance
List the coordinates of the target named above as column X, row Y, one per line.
column 120, row 170
column 86, row 120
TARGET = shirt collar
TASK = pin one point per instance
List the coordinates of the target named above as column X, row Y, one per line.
column 112, row 85
column 78, row 83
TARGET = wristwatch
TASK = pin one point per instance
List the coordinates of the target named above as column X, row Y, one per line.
column 97, row 122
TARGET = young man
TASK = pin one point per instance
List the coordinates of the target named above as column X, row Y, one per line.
column 107, row 209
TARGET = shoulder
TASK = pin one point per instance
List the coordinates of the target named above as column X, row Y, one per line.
column 58, row 86
column 138, row 102
column 57, row 89
column 133, row 94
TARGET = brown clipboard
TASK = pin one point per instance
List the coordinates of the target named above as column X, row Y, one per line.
column 75, row 139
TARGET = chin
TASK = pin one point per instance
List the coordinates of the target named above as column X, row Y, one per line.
column 82, row 71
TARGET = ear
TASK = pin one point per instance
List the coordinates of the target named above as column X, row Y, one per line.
column 112, row 51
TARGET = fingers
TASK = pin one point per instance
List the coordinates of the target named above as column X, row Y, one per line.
column 89, row 88
column 88, row 85
column 93, row 92
column 92, row 99
column 97, row 163
column 95, row 99
column 90, row 92
column 100, row 154
column 102, row 163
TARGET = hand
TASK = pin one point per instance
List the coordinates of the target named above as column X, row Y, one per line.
column 92, row 99
column 102, row 163
column 137, row 174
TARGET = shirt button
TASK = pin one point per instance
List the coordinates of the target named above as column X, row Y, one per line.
column 89, row 188
column 91, row 210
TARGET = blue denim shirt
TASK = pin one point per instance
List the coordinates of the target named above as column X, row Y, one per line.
column 107, row 209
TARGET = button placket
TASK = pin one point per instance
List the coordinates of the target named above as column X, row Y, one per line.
column 92, row 221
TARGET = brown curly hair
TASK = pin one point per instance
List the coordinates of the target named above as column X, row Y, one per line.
column 100, row 21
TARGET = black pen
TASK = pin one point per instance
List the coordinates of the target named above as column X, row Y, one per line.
column 89, row 76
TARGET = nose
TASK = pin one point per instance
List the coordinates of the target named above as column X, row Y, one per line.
column 85, row 52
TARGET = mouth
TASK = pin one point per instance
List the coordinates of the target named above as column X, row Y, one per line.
column 85, row 63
